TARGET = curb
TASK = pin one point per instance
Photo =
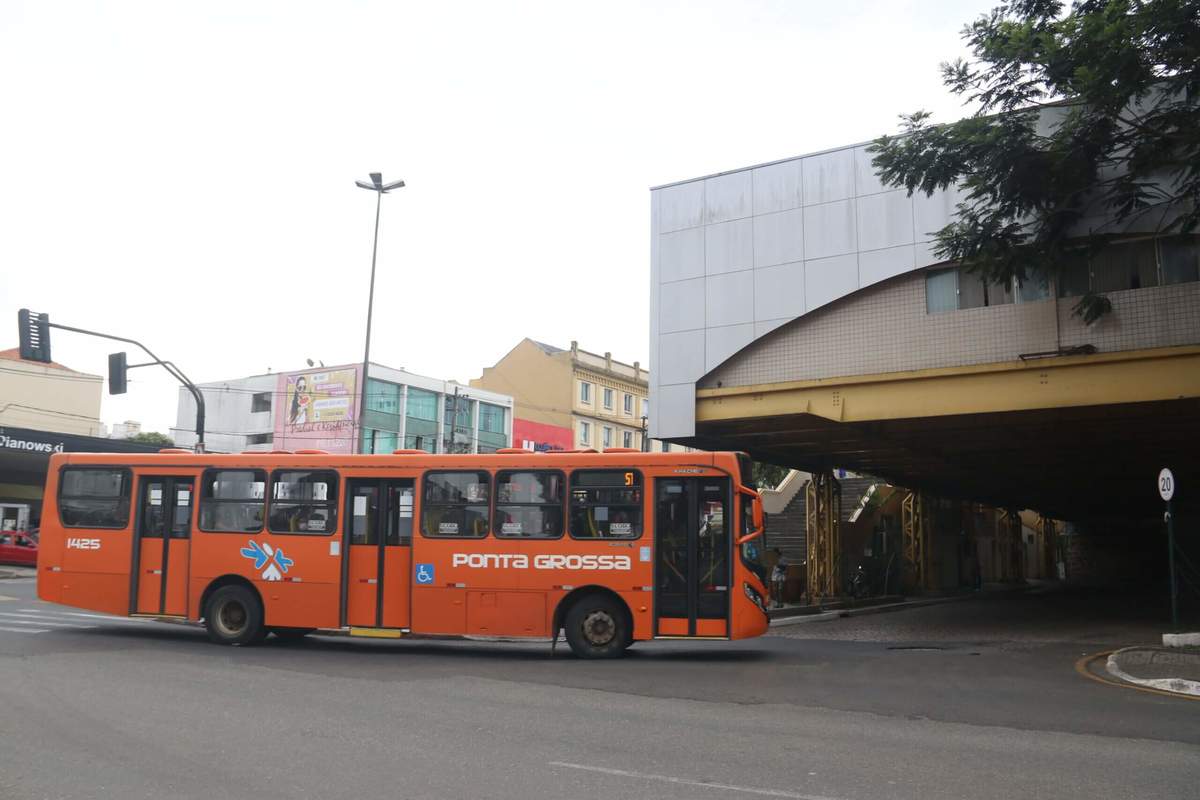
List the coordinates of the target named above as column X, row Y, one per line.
column 1180, row 686
column 828, row 616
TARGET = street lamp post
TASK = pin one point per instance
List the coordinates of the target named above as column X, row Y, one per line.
column 380, row 188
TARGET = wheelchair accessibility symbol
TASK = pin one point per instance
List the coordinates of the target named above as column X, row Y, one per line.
column 424, row 574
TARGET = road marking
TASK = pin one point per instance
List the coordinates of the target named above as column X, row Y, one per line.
column 19, row 619
column 65, row 614
column 646, row 776
column 24, row 630
column 4, row 597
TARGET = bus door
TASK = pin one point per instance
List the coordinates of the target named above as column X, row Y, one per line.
column 691, row 568
column 160, row 553
column 378, row 553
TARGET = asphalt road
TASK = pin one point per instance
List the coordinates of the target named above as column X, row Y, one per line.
column 100, row 707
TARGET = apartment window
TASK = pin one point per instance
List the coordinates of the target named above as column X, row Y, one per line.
column 1075, row 278
column 1124, row 265
column 606, row 504
column 260, row 438
column 627, row 439
column 304, row 502
column 260, row 402
column 377, row 441
column 456, row 505
column 957, row 289
column 585, row 392
column 529, row 505
column 1131, row 265
column 232, row 500
column 607, row 433
column 1180, row 258
column 628, row 405
column 94, row 498
column 585, row 432
column 383, row 396
column 608, row 398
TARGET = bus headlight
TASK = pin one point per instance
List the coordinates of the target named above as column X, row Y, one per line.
column 755, row 597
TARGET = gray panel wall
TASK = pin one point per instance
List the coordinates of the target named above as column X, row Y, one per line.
column 737, row 255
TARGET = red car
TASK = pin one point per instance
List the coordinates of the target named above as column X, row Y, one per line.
column 18, row 548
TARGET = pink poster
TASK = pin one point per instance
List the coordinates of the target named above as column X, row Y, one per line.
column 319, row 410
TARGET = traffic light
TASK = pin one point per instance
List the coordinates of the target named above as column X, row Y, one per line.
column 34, row 335
column 117, row 368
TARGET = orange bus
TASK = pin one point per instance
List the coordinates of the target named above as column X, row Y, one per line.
column 609, row 548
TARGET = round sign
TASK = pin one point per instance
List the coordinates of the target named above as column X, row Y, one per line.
column 1166, row 484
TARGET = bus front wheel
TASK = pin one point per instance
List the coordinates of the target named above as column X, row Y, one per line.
column 597, row 627
column 234, row 616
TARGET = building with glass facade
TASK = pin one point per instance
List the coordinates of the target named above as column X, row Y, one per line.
column 318, row 408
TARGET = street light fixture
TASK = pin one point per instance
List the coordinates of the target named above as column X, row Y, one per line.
column 380, row 188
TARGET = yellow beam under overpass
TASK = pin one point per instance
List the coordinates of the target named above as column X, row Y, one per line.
column 1131, row 376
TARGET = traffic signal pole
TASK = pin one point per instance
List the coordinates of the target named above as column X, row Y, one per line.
column 170, row 367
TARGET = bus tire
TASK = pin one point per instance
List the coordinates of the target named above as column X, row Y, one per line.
column 291, row 634
column 234, row 616
column 597, row 627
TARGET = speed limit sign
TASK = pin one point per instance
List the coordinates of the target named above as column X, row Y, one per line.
column 1166, row 484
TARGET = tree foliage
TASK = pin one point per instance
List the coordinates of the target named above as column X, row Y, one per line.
column 768, row 476
column 1086, row 123
column 152, row 437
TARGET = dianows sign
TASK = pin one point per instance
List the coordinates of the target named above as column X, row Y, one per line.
column 30, row 446
column 45, row 443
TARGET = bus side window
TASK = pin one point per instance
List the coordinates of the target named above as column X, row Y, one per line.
column 606, row 504
column 303, row 501
column 529, row 504
column 232, row 500
column 455, row 504
column 94, row 498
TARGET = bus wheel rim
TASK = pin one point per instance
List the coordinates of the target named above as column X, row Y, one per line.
column 599, row 628
column 231, row 618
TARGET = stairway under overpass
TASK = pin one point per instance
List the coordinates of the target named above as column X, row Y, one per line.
column 1074, row 437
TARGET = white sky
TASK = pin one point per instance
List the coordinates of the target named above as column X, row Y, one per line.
column 183, row 174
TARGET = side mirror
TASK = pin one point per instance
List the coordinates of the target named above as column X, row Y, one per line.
column 750, row 496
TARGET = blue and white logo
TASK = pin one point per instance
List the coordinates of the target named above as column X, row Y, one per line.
column 425, row 574
column 265, row 555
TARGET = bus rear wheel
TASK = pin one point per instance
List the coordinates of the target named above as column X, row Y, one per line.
column 234, row 616
column 597, row 627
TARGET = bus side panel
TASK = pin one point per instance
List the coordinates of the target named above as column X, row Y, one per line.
column 50, row 540
column 641, row 607
column 299, row 582
column 96, row 568
column 506, row 613
column 300, row 605
column 439, row 609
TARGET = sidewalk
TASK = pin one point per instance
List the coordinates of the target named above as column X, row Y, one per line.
column 796, row 613
column 1168, row 669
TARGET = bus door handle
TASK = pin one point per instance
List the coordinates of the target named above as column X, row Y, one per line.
column 154, row 572
column 368, row 580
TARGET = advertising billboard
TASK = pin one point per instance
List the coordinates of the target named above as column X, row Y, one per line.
column 319, row 410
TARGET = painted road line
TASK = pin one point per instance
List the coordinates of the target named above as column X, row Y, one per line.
column 4, row 597
column 108, row 617
column 724, row 787
column 24, row 630
column 18, row 619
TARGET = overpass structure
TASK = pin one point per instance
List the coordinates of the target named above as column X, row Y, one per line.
column 798, row 312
